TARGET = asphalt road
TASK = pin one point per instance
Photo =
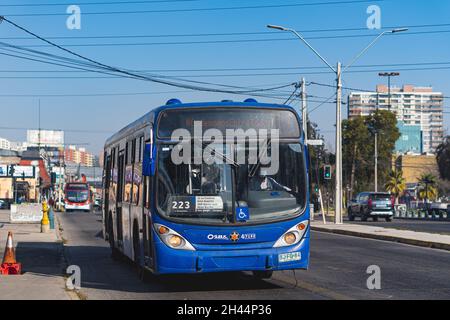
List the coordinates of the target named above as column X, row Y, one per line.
column 337, row 271
column 440, row 227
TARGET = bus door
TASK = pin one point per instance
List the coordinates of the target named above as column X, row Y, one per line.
column 147, row 215
column 147, row 223
column 106, row 186
column 119, row 197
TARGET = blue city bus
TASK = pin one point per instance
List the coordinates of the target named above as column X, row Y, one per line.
column 210, row 212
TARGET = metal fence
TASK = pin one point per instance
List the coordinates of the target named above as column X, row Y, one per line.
column 401, row 212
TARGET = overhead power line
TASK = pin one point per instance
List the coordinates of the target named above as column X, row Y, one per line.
column 137, row 76
column 95, row 3
column 225, row 41
column 53, row 129
column 133, row 36
column 273, row 6
column 238, row 69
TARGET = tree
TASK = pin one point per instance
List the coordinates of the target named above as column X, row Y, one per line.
column 355, row 148
column 428, row 187
column 395, row 184
column 359, row 146
column 443, row 158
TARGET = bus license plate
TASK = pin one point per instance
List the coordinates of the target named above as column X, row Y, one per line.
column 290, row 256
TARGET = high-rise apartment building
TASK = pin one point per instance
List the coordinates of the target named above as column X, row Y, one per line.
column 419, row 111
column 79, row 156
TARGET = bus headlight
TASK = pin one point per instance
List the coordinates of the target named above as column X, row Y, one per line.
column 293, row 235
column 172, row 238
column 175, row 241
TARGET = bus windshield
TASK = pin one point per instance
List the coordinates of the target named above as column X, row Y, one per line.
column 77, row 193
column 209, row 191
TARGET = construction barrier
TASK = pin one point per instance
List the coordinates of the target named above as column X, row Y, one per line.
column 10, row 266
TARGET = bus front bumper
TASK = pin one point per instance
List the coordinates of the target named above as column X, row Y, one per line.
column 181, row 261
column 84, row 207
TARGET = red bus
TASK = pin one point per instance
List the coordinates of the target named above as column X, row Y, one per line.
column 77, row 196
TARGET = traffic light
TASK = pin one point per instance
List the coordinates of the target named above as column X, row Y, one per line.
column 316, row 188
column 327, row 172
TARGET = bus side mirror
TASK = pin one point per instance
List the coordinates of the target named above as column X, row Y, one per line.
column 148, row 165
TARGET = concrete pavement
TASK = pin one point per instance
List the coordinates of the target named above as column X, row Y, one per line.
column 428, row 226
column 42, row 261
column 424, row 239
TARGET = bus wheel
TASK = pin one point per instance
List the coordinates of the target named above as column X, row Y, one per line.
column 137, row 253
column 115, row 254
column 267, row 274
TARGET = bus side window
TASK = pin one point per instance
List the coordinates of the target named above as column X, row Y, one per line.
column 147, row 192
column 133, row 151
column 141, row 149
column 147, row 181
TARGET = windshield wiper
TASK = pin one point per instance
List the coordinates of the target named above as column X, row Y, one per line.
column 262, row 153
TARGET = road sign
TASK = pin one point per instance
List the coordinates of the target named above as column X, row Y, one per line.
column 318, row 142
column 242, row 214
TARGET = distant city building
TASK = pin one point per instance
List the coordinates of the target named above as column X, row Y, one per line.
column 79, row 156
column 13, row 146
column 410, row 140
column 413, row 166
column 413, row 106
column 5, row 144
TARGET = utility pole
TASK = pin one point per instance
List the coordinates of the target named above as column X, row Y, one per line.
column 304, row 109
column 376, row 160
column 338, row 189
column 388, row 75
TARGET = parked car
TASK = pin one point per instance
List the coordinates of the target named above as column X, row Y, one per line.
column 98, row 202
column 372, row 205
column 3, row 204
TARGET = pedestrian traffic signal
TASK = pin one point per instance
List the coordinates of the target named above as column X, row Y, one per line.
column 327, row 172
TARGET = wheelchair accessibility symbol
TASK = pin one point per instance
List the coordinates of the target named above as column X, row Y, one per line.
column 242, row 214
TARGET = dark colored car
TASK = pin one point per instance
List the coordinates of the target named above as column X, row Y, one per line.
column 371, row 205
column 4, row 204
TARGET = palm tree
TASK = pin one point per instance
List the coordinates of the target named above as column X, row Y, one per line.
column 427, row 187
column 395, row 183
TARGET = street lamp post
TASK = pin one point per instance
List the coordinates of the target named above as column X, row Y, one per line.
column 338, row 72
column 389, row 75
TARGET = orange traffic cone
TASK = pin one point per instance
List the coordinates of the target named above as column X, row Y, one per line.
column 10, row 265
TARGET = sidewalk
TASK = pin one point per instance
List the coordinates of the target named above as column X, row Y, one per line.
column 423, row 239
column 42, row 261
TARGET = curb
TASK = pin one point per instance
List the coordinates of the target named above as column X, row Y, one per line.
column 73, row 294
column 414, row 242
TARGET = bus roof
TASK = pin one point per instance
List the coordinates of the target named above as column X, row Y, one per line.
column 150, row 116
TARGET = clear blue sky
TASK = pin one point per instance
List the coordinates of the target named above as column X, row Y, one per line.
column 110, row 113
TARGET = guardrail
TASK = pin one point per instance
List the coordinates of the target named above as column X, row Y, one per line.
column 401, row 212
